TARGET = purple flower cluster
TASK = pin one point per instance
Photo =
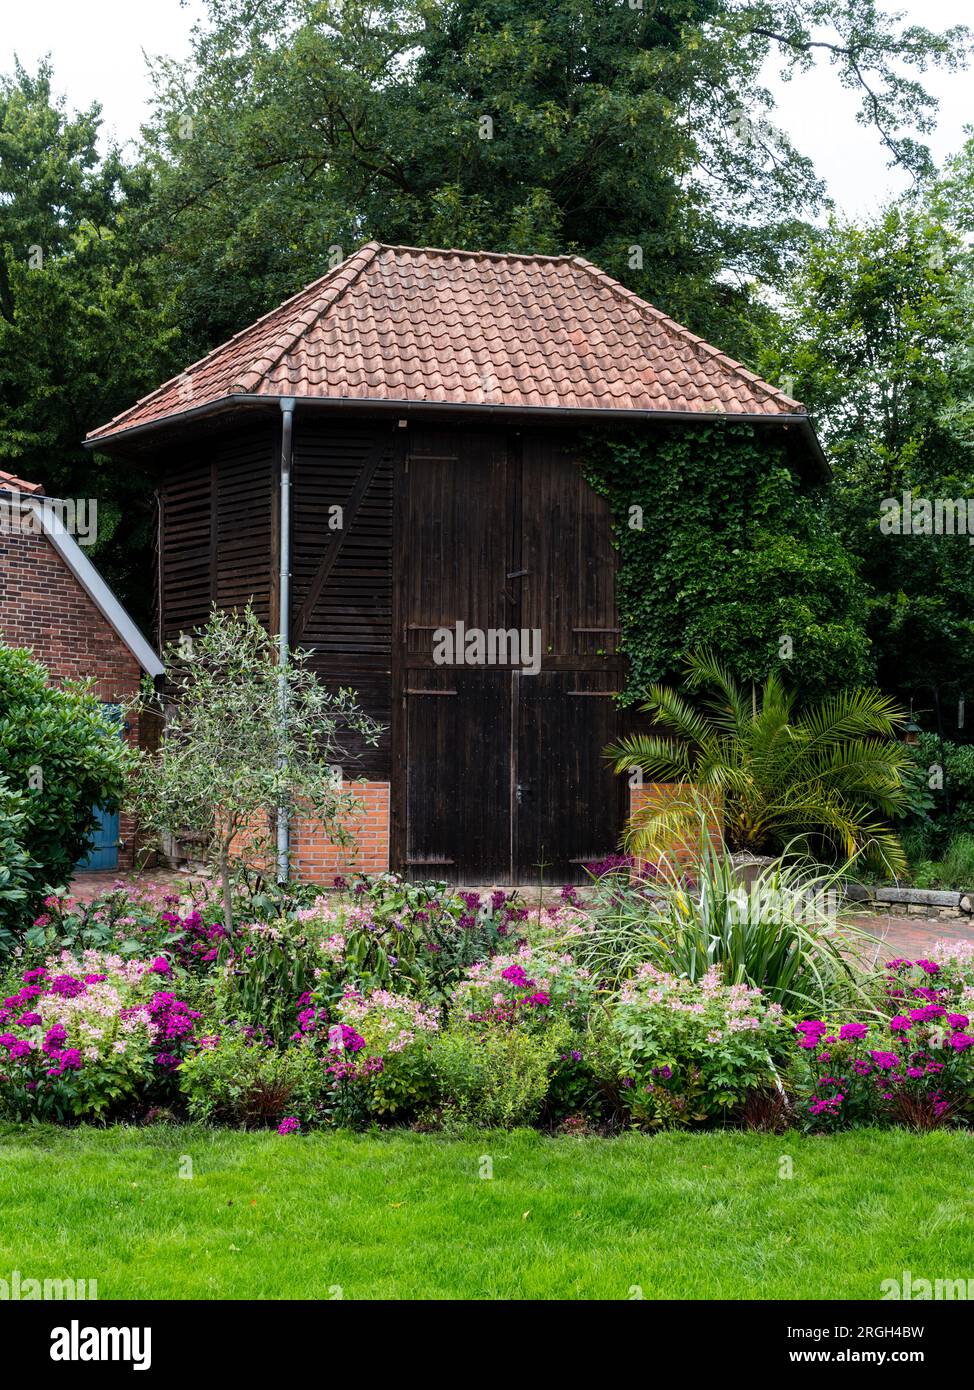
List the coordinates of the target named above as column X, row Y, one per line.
column 196, row 941
column 921, row 1074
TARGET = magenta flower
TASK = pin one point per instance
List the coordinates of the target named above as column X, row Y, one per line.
column 899, row 1024
column 960, row 1042
column 343, row 1038
column 516, row 975
column 290, row 1125
column 852, row 1030
column 67, row 986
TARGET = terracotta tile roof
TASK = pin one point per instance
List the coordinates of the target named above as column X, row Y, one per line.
column 9, row 483
column 402, row 324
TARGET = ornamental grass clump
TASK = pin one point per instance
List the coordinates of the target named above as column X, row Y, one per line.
column 783, row 932
column 694, row 1052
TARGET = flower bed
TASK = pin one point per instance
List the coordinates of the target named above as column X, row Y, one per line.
column 392, row 1003
column 914, row 1064
column 84, row 1035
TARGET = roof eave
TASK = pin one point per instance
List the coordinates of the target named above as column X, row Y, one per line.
column 483, row 409
column 93, row 584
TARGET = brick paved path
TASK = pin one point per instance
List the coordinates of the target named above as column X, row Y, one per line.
column 898, row 936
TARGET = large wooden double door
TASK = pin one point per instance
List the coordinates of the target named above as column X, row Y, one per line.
column 499, row 773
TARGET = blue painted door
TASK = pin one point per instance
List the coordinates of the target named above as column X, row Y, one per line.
column 104, row 852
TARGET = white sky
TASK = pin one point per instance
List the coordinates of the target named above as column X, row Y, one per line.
column 97, row 48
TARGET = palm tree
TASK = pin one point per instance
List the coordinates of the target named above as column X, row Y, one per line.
column 779, row 775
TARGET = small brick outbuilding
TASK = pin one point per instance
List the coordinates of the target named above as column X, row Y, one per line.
column 54, row 601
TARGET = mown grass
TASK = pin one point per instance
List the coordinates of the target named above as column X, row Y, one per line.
column 405, row 1216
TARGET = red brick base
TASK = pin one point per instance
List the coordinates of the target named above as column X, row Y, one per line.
column 679, row 850
column 315, row 859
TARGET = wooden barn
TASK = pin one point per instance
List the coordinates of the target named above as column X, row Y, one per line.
column 395, row 451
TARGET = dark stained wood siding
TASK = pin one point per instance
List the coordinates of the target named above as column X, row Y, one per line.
column 215, row 503
column 456, row 535
column 569, row 805
column 458, row 787
column 341, row 579
column 500, row 772
column 566, row 547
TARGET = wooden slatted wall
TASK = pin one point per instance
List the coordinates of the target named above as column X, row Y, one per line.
column 216, row 506
column 342, row 578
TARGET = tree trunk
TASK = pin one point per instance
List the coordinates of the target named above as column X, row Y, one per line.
column 227, row 896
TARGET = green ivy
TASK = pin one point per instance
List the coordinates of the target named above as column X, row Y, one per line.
column 734, row 552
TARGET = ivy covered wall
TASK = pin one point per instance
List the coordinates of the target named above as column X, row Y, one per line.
column 722, row 545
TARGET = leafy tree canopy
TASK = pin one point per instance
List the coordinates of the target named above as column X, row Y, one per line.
column 876, row 332
column 641, row 137
column 84, row 329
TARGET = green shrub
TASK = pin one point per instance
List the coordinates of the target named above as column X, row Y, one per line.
column 497, row 1077
column 15, row 866
column 61, row 753
column 241, row 1079
column 694, row 1052
column 380, row 1047
column 513, row 1045
column 929, row 825
column 958, row 862
column 954, row 870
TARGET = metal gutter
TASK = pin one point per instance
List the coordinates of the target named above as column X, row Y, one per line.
column 486, row 410
column 284, row 616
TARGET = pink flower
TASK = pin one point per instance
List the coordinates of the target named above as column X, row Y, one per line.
column 853, row 1030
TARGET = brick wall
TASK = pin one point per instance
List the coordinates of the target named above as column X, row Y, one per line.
column 680, row 850
column 42, row 606
column 316, row 860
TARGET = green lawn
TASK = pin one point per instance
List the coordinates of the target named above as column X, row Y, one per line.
column 401, row 1215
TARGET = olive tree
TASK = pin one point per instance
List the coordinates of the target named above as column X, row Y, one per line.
column 244, row 737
